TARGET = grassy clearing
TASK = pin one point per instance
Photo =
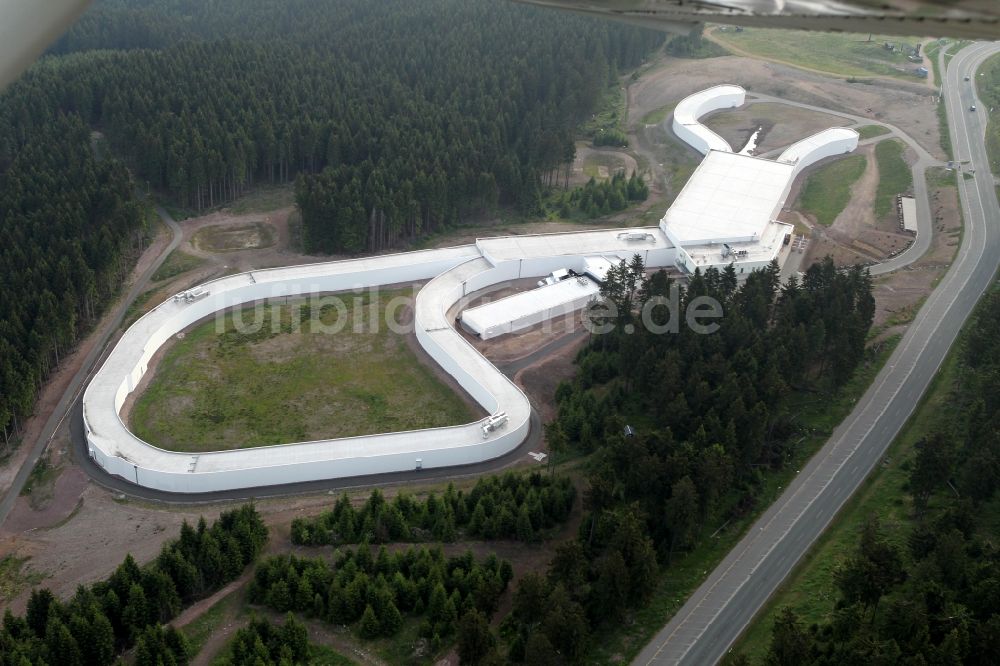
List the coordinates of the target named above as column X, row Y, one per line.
column 956, row 47
column 819, row 413
column 602, row 166
column 828, row 189
column 137, row 308
column 264, row 199
column 810, row 590
column 841, row 54
column 679, row 176
column 894, row 175
column 178, row 262
column 42, row 474
column 201, row 629
column 321, row 655
column 869, row 131
column 284, row 379
column 226, row 238
column 944, row 136
column 14, row 577
column 609, row 118
column 939, row 177
column 677, row 160
column 657, row 116
column 932, row 52
column 679, row 165
column 651, row 216
column 988, row 83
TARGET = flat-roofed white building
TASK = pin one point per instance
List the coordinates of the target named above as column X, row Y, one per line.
column 727, row 211
column 908, row 211
column 564, row 291
column 527, row 308
column 744, row 257
column 729, row 198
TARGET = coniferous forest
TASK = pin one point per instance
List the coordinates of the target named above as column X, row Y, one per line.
column 131, row 606
column 399, row 117
column 925, row 590
column 394, row 118
column 70, row 230
column 710, row 413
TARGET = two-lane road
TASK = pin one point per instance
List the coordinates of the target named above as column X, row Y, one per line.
column 72, row 393
column 718, row 611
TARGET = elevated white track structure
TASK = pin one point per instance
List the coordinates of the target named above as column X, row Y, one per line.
column 727, row 207
column 454, row 273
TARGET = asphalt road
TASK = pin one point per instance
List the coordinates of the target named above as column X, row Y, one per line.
column 76, row 385
column 718, row 611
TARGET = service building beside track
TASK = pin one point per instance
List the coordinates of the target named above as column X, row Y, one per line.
column 725, row 214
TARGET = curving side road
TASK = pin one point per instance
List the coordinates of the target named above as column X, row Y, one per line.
column 71, row 395
column 925, row 223
column 720, row 609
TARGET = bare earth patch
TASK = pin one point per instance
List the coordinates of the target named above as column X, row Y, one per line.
column 855, row 236
column 899, row 295
column 234, row 237
column 781, row 125
column 599, row 163
column 63, row 500
column 908, row 105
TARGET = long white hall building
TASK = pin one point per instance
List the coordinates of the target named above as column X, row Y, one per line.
column 452, row 274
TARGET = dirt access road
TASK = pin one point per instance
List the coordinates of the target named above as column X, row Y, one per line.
column 60, row 392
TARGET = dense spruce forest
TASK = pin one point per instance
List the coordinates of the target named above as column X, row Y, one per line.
column 595, row 199
column 70, row 230
column 932, row 597
column 395, row 118
column 400, row 117
column 508, row 506
column 130, row 608
column 709, row 413
column 372, row 593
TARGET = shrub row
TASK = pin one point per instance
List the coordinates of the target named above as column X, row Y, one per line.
column 375, row 592
column 508, row 506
